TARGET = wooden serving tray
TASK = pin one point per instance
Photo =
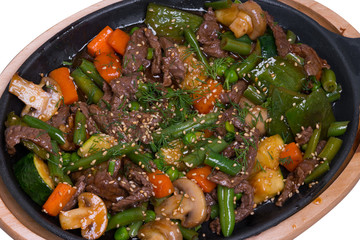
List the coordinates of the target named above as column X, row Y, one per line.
column 19, row 225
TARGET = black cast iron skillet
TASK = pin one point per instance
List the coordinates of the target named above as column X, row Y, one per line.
column 340, row 52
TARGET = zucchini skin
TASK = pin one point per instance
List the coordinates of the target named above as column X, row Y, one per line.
column 30, row 181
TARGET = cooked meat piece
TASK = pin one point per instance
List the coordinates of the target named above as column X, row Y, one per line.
column 126, row 86
column 235, row 94
column 313, row 63
column 135, row 53
column 247, row 200
column 91, row 126
column 304, row 136
column 106, row 99
column 224, row 179
column 320, row 147
column 14, row 134
column 282, row 44
column 172, row 66
column 208, row 36
column 295, row 179
column 154, row 43
column 215, row 226
column 229, row 152
column 80, row 187
column 61, row 117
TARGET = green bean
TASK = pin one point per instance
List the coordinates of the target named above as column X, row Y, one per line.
column 268, row 47
column 121, row 234
column 39, row 151
column 247, row 65
column 177, row 130
column 111, row 167
column 134, row 228
column 79, row 130
column 140, row 159
column 337, row 128
column 126, row 217
column 291, row 36
column 254, row 95
column 54, row 133
column 295, row 58
column 219, row 4
column 66, row 159
column 55, row 165
column 13, row 120
column 304, row 147
column 320, row 170
column 74, row 157
column 87, row 86
column 188, row 234
column 173, row 173
column 226, row 209
column 101, row 156
column 191, row 39
column 312, row 144
column 229, row 127
column 331, row 149
column 214, row 211
column 232, row 45
column 224, row 164
column 150, row 53
column 150, row 216
column 328, row 80
column 333, row 96
column 189, row 138
column 197, row 157
column 89, row 69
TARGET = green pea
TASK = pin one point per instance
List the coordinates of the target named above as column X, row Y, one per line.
column 173, row 173
column 121, row 234
column 134, row 106
column 229, row 127
column 220, row 71
column 133, row 30
column 189, row 138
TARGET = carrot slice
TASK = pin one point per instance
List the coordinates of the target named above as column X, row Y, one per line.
column 199, row 175
column 118, row 40
column 99, row 44
column 58, row 199
column 67, row 86
column 108, row 65
column 205, row 99
column 291, row 156
column 161, row 183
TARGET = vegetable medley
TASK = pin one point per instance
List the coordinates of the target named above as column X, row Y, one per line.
column 184, row 120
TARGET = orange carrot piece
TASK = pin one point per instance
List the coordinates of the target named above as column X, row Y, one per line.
column 99, row 44
column 58, row 199
column 199, row 175
column 204, row 100
column 118, row 40
column 67, row 86
column 291, row 156
column 161, row 183
column 108, row 65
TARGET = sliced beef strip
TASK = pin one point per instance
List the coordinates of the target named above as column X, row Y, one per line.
column 14, row 134
column 215, row 226
column 320, row 147
column 304, row 136
column 80, row 188
column 295, row 179
column 154, row 43
column 247, row 200
column 172, row 66
column 235, row 94
column 60, row 118
column 126, row 86
column 106, row 98
column 313, row 63
column 135, row 53
column 208, row 36
column 91, row 126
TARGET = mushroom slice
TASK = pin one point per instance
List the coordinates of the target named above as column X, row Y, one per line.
column 257, row 15
column 162, row 229
column 40, row 103
column 187, row 204
column 91, row 216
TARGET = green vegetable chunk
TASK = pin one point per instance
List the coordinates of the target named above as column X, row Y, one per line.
column 90, row 70
column 315, row 109
column 226, row 165
column 226, row 209
column 169, row 22
column 268, row 47
column 87, row 86
column 128, row 216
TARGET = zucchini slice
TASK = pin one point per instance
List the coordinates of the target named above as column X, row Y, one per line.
column 33, row 176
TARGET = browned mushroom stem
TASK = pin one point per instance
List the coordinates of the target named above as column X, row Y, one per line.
column 187, row 204
column 91, row 216
column 257, row 16
column 162, row 229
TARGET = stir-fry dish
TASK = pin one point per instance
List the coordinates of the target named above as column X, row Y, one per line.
column 189, row 118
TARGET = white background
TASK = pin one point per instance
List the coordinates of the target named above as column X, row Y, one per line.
column 21, row 21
